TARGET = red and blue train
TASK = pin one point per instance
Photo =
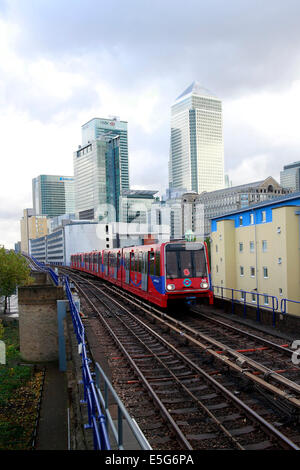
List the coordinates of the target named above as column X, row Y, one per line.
column 160, row 273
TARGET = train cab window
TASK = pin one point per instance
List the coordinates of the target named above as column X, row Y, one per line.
column 185, row 260
column 172, row 265
column 118, row 260
column 152, row 263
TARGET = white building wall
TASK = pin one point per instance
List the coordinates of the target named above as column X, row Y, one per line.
column 82, row 238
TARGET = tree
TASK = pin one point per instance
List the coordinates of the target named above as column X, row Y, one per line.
column 208, row 242
column 14, row 271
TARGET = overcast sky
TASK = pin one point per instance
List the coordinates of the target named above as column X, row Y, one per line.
column 65, row 62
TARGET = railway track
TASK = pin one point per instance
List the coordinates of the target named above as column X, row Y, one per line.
column 205, row 406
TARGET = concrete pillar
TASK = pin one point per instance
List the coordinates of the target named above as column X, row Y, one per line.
column 38, row 321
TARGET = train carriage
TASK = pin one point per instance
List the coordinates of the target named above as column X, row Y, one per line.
column 159, row 273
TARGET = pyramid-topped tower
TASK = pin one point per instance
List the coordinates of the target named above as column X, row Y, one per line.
column 196, row 148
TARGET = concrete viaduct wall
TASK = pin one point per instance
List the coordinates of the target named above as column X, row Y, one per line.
column 38, row 319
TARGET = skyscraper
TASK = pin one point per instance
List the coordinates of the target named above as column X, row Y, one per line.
column 97, row 178
column 53, row 195
column 196, row 151
column 290, row 176
column 98, row 126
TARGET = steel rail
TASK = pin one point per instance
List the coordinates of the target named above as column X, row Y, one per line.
column 239, row 357
column 268, row 427
column 161, row 406
column 246, row 333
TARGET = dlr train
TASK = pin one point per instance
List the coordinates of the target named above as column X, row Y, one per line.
column 160, row 273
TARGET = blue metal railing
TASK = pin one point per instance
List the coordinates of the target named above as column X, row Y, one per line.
column 52, row 273
column 103, row 387
column 96, row 419
column 273, row 305
column 286, row 302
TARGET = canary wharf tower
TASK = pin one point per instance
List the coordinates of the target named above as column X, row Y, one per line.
column 196, row 151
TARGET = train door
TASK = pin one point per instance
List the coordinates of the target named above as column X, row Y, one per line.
column 145, row 271
column 100, row 263
column 151, row 269
column 119, row 271
column 132, row 266
column 114, row 255
column 127, row 267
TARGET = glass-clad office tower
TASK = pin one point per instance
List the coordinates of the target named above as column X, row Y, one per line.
column 98, row 183
column 53, row 195
column 196, row 148
column 99, row 126
column 290, row 176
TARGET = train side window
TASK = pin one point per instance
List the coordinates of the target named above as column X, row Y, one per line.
column 140, row 266
column 144, row 262
column 132, row 261
column 126, row 256
column 152, row 263
column 157, row 263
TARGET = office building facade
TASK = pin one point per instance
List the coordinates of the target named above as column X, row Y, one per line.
column 255, row 250
column 196, row 147
column 135, row 204
column 237, row 197
column 32, row 226
column 290, row 176
column 111, row 127
column 98, row 183
column 53, row 195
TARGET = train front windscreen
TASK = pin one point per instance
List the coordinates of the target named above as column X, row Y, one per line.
column 185, row 260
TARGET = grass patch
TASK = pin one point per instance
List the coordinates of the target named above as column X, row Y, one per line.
column 19, row 393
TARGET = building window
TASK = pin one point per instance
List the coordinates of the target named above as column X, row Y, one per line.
column 253, row 297
column 252, row 271
column 264, row 246
column 216, row 248
column 241, row 270
column 251, row 219
column 243, row 296
column 266, row 300
column 217, row 268
column 241, row 246
column 251, row 247
column 263, row 216
column 279, row 260
column 280, row 291
column 241, row 221
column 266, row 274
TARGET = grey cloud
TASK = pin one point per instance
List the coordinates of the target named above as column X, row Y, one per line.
column 232, row 46
column 41, row 106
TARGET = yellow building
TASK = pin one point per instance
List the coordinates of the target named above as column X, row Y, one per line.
column 256, row 251
column 32, row 226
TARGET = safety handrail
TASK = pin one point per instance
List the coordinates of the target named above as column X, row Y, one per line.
column 283, row 304
column 96, row 419
column 53, row 275
column 243, row 300
column 103, row 382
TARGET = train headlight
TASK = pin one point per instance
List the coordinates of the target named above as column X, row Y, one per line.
column 170, row 286
column 204, row 285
